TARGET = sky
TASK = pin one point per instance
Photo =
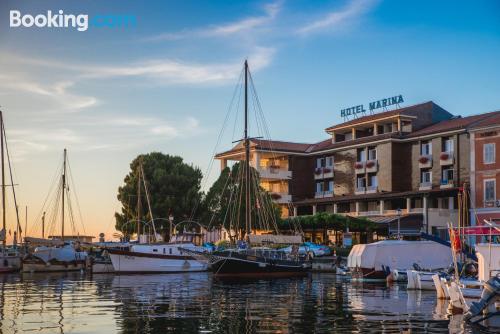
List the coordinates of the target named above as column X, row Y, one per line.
column 165, row 83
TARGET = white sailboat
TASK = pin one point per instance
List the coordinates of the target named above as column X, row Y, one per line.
column 156, row 257
column 10, row 259
column 57, row 254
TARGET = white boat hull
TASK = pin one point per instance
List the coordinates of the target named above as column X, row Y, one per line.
column 130, row 262
column 420, row 280
column 9, row 263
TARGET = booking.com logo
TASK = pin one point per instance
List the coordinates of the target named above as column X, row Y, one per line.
column 80, row 22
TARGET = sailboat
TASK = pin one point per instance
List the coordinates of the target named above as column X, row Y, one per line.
column 56, row 254
column 247, row 261
column 10, row 260
column 156, row 256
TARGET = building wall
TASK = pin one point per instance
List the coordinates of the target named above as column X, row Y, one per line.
column 403, row 162
column 384, row 173
column 302, row 184
column 485, row 171
column 343, row 172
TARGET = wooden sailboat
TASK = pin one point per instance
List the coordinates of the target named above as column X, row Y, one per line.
column 56, row 254
column 10, row 260
column 258, row 261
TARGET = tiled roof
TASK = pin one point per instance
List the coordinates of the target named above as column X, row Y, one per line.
column 455, row 124
column 381, row 115
column 270, row 145
column 490, row 121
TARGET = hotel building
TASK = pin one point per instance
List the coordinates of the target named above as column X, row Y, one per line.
column 406, row 163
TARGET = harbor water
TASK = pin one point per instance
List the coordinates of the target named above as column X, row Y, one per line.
column 198, row 303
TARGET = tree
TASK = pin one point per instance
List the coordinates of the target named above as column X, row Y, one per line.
column 224, row 204
column 173, row 187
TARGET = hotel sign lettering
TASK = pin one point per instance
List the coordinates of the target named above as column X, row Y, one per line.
column 383, row 103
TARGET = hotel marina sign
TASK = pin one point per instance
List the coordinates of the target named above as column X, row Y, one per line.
column 360, row 109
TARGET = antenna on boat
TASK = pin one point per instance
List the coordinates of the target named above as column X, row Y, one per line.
column 247, row 158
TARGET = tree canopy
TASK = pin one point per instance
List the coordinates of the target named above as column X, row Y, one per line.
column 224, row 204
column 327, row 220
column 173, row 187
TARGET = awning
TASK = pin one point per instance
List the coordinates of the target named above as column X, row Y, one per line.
column 410, row 224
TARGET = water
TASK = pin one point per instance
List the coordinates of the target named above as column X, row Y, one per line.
column 198, row 303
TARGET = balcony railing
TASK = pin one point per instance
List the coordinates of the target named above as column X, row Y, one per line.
column 446, row 158
column 323, row 172
column 425, row 161
column 359, row 167
column 323, row 194
column 449, row 183
column 274, row 172
column 425, row 185
column 281, row 198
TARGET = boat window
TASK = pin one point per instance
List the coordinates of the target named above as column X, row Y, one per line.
column 170, row 251
column 164, row 250
column 155, row 250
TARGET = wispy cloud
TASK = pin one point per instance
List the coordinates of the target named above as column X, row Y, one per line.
column 58, row 92
column 270, row 10
column 166, row 70
column 336, row 19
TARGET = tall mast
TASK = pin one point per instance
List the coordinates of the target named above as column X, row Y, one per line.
column 139, row 205
column 247, row 158
column 3, row 181
column 63, row 190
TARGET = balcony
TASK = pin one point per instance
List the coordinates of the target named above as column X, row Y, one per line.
column 446, row 158
column 359, row 167
column 275, row 173
column 371, row 166
column 324, row 194
column 371, row 189
column 425, row 186
column 281, row 198
column 425, row 161
column 360, row 190
column 323, row 173
column 445, row 184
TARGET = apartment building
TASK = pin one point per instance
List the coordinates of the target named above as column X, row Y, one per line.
column 405, row 164
column 485, row 170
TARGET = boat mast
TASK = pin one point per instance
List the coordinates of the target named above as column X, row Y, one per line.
column 63, row 190
column 139, row 205
column 247, row 158
column 3, row 182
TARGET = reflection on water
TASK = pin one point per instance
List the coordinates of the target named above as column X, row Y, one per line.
column 195, row 302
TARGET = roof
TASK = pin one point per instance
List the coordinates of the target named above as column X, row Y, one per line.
column 494, row 120
column 269, row 145
column 456, row 124
column 382, row 115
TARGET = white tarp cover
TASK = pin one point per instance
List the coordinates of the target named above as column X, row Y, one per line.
column 63, row 254
column 276, row 239
column 400, row 254
column 488, row 260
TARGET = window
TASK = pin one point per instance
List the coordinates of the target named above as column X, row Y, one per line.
column 329, row 161
column 426, row 148
column 319, row 187
column 372, row 153
column 361, row 182
column 320, row 162
column 372, row 181
column 447, row 175
column 163, row 250
column 170, row 249
column 330, row 186
column 361, row 155
column 489, row 153
column 447, row 145
column 489, row 190
column 426, row 176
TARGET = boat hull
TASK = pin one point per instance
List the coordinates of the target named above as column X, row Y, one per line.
column 10, row 263
column 232, row 266
column 40, row 266
column 368, row 274
column 136, row 262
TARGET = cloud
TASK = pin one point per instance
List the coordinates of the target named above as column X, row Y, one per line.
column 57, row 92
column 336, row 19
column 271, row 10
column 166, row 70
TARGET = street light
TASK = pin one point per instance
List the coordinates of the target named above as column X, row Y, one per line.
column 171, row 221
column 398, row 212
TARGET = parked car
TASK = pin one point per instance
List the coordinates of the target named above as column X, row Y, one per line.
column 310, row 248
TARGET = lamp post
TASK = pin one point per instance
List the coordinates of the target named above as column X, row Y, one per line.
column 398, row 212
column 171, row 221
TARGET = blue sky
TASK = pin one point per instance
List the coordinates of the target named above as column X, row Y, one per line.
column 108, row 94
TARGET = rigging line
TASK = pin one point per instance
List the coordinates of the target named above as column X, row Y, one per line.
column 220, row 198
column 240, row 189
column 53, row 183
column 76, row 194
column 219, row 138
column 11, row 178
column 55, row 211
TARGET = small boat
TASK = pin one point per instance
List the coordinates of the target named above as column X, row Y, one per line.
column 10, row 259
column 60, row 253
column 420, row 280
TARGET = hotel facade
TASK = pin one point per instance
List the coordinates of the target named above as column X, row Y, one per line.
column 405, row 164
